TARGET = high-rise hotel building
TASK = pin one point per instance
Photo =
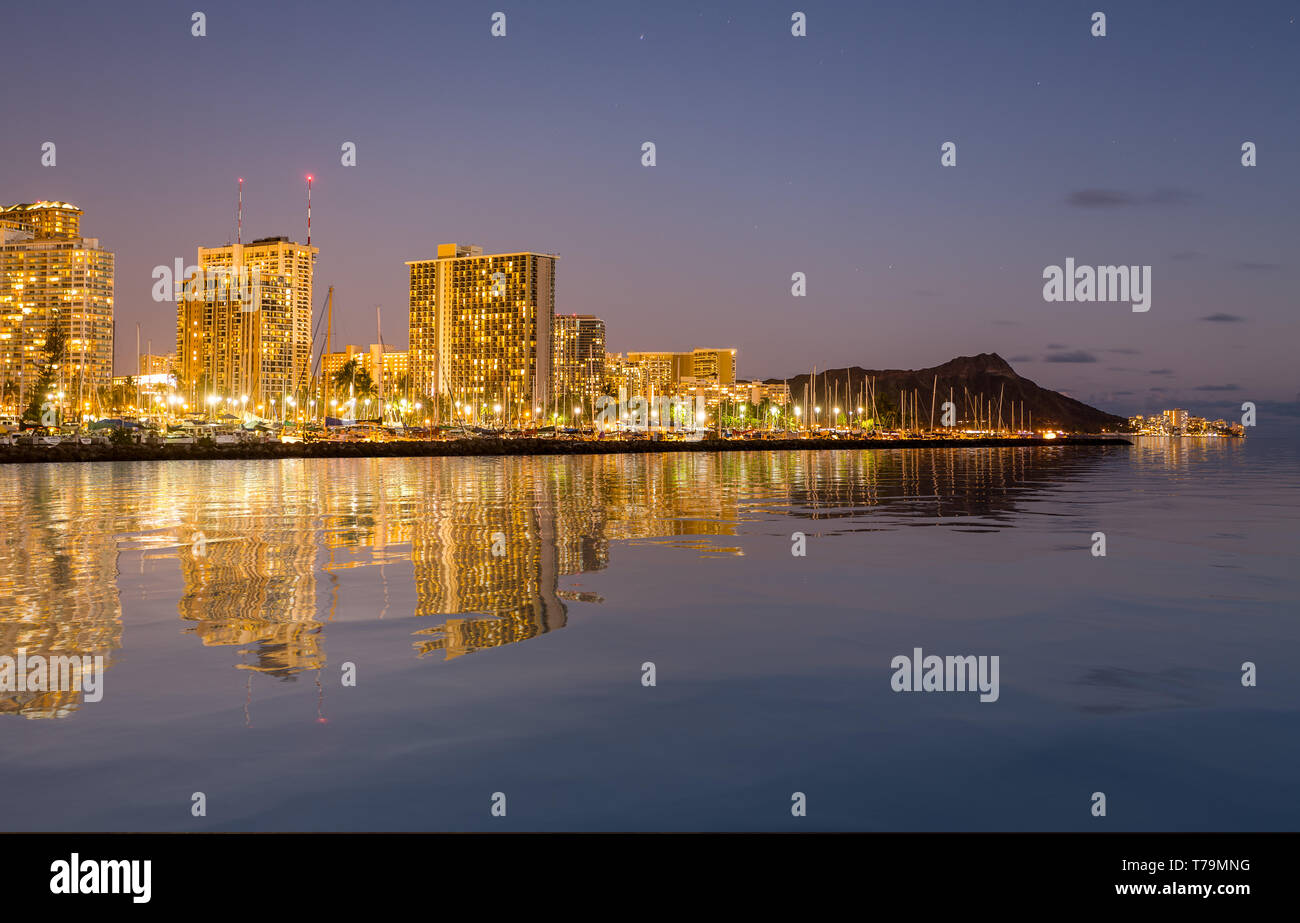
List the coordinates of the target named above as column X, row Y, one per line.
column 220, row 351
column 480, row 328
column 234, row 342
column 578, row 359
column 52, row 276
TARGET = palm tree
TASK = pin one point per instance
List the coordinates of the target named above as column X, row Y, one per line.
column 353, row 379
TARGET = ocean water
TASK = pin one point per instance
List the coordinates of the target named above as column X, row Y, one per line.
column 498, row 617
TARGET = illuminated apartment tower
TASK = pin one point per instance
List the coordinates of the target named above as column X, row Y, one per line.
column 715, row 365
column 658, row 372
column 626, row 378
column 235, row 343
column 668, row 373
column 51, row 275
column 278, row 256
column 480, row 330
column 578, row 359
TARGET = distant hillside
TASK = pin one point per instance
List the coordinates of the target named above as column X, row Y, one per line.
column 966, row 377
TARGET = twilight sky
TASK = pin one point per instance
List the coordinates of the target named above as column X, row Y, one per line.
column 775, row 154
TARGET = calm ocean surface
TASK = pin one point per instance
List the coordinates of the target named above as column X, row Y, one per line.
column 226, row 598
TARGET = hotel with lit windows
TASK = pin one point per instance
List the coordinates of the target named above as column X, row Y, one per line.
column 578, row 360
column 234, row 344
column 247, row 345
column 51, row 276
column 480, row 333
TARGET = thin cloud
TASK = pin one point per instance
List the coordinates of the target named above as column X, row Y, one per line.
column 1161, row 372
column 1216, row 388
column 1224, row 318
column 1100, row 198
column 1077, row 356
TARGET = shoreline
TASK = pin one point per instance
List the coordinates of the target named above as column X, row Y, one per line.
column 489, row 447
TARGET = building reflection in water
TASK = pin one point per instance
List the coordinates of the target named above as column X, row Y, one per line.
column 248, row 566
column 58, row 579
column 266, row 548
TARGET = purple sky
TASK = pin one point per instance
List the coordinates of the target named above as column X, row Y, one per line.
column 775, row 155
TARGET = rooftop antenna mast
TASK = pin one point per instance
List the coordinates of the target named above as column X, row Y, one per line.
column 239, row 214
column 379, row 331
column 329, row 331
column 309, row 177
column 329, row 321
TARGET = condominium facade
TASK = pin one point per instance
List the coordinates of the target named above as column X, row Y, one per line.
column 1175, row 420
column 235, row 343
column 711, row 364
column 480, row 332
column 295, row 264
column 623, row 377
column 578, row 358
column 658, row 372
column 51, row 276
column 668, row 372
